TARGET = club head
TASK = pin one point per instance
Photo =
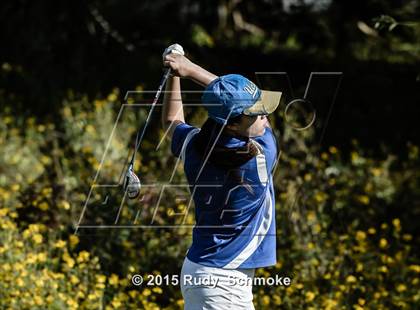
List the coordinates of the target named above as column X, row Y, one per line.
column 132, row 184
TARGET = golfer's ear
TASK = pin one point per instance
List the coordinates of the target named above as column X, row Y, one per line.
column 169, row 127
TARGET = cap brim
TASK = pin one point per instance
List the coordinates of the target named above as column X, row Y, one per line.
column 267, row 103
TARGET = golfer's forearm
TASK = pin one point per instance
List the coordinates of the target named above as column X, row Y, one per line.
column 172, row 102
column 200, row 75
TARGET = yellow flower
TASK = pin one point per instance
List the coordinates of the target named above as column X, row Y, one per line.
column 314, row 262
column 50, row 299
column 401, row 288
column 276, row 300
column 3, row 212
column 37, row 238
column 383, row 243
column 80, row 294
column 372, row 231
column 43, row 206
column 47, row 191
column 39, row 282
column 18, row 266
column 368, row 187
column 383, row 269
column 116, row 303
column 377, row 295
column 317, row 229
column 311, row 216
column 69, row 260
column 60, row 244
column 112, row 97
column 83, row 257
column 132, row 294
column 309, row 296
column 100, row 278
column 354, row 157
column 157, row 289
column 72, row 303
column 360, row 235
column 333, row 149
column 265, row 300
column 397, row 224
column 38, row 300
column 42, row 257
column 361, row 301
column 64, row 205
column 407, row 237
column 320, row 197
column 363, row 199
column 73, row 240
column 90, row 129
column 74, row 279
column 146, row 292
column 15, row 187
column 113, row 280
column 376, row 171
column 351, row 279
column 415, row 268
column 330, row 304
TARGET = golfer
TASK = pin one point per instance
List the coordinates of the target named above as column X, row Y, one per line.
column 228, row 163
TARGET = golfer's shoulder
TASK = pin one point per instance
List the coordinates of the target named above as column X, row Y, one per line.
column 267, row 138
column 182, row 131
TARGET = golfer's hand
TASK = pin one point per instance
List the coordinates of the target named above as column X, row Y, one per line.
column 180, row 65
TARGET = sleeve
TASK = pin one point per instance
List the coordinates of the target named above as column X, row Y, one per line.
column 270, row 146
column 178, row 138
column 273, row 136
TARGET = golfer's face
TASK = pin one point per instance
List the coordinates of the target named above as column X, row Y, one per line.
column 254, row 125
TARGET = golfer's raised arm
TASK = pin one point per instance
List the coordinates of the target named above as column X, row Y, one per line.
column 181, row 66
column 172, row 111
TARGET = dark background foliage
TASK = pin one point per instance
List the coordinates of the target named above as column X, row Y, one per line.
column 90, row 47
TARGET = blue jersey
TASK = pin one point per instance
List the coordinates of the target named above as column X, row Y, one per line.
column 235, row 223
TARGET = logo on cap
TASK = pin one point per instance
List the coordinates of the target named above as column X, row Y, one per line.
column 251, row 88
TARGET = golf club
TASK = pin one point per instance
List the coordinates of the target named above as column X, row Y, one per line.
column 131, row 182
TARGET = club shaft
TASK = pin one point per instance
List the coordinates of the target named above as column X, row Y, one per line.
column 139, row 136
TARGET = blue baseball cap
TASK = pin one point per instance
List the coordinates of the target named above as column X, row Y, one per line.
column 233, row 94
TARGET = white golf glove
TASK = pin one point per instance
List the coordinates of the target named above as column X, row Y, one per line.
column 174, row 48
